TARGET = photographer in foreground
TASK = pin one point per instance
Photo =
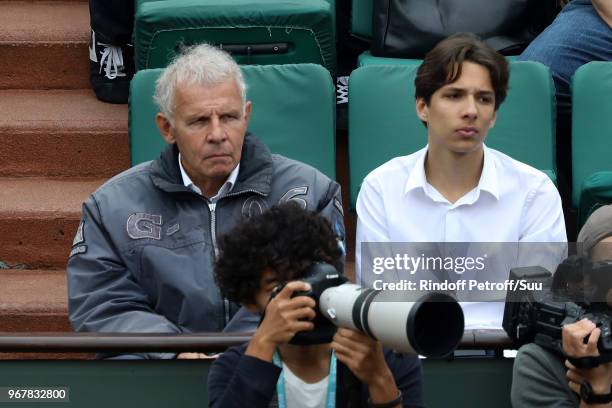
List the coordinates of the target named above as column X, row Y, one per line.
column 542, row 378
column 350, row 370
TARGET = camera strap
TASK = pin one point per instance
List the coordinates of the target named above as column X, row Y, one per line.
column 585, row 363
column 331, row 384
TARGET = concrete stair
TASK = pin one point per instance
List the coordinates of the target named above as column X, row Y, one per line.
column 44, row 45
column 62, row 133
column 39, row 217
column 58, row 143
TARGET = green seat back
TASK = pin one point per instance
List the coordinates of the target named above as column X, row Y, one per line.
column 383, row 123
column 293, row 113
column 361, row 18
column 366, row 58
column 161, row 28
column 591, row 130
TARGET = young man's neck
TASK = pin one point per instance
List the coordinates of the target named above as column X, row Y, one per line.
column 453, row 174
column 309, row 363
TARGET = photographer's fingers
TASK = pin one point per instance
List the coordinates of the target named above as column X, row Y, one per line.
column 573, row 337
column 574, row 386
column 303, row 313
column 291, row 287
column 353, row 340
column 591, row 346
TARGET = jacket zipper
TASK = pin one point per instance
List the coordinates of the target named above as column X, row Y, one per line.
column 213, row 233
column 212, row 207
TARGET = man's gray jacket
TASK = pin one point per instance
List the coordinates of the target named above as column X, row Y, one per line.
column 142, row 259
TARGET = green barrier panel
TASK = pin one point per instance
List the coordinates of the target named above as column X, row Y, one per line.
column 306, row 26
column 383, row 123
column 591, row 128
column 293, row 113
column 465, row 383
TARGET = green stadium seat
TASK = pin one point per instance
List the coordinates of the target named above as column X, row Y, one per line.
column 383, row 123
column 293, row 113
column 591, row 138
column 366, row 58
column 361, row 19
column 303, row 31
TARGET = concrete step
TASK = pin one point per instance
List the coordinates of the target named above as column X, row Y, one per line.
column 38, row 219
column 44, row 45
column 61, row 133
column 33, row 301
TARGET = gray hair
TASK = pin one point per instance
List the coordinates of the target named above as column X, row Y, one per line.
column 198, row 65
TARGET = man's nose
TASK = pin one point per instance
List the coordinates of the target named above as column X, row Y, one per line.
column 216, row 133
column 470, row 108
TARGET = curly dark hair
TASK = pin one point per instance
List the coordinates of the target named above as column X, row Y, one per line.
column 285, row 238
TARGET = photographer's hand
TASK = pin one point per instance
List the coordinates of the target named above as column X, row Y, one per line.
column 365, row 358
column 599, row 377
column 285, row 316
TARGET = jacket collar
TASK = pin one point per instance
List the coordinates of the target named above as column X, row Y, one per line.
column 255, row 174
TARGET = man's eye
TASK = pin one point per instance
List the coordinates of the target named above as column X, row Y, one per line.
column 200, row 121
column 486, row 99
column 452, row 96
column 228, row 117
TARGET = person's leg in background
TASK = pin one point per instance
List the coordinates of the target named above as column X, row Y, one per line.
column 578, row 35
column 111, row 53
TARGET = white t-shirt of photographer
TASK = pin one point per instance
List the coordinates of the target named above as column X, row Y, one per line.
column 300, row 394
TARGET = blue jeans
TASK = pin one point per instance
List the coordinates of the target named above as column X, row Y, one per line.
column 577, row 36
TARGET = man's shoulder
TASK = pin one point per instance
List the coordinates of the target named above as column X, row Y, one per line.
column 395, row 170
column 513, row 169
column 285, row 167
column 138, row 176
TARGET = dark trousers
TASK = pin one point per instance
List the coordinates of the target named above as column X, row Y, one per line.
column 112, row 20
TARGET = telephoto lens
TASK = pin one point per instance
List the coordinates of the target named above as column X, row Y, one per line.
column 429, row 324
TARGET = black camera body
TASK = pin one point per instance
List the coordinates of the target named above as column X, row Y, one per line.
column 539, row 315
column 320, row 276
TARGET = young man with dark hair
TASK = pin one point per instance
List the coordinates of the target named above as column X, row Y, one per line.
column 456, row 189
column 278, row 247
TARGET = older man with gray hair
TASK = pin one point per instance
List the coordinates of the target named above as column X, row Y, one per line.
column 142, row 259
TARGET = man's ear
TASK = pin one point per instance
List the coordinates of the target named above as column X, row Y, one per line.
column 247, row 112
column 493, row 120
column 422, row 109
column 165, row 128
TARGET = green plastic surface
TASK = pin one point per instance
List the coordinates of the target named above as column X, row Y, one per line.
column 366, row 58
column 293, row 113
column 161, row 28
column 595, row 191
column 591, row 126
column 383, row 123
column 466, row 383
column 361, row 18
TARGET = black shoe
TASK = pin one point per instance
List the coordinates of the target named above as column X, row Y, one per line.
column 111, row 70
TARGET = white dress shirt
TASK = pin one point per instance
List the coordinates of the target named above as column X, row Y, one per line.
column 512, row 203
column 225, row 188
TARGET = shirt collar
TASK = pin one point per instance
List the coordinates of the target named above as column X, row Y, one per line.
column 488, row 178
column 225, row 188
